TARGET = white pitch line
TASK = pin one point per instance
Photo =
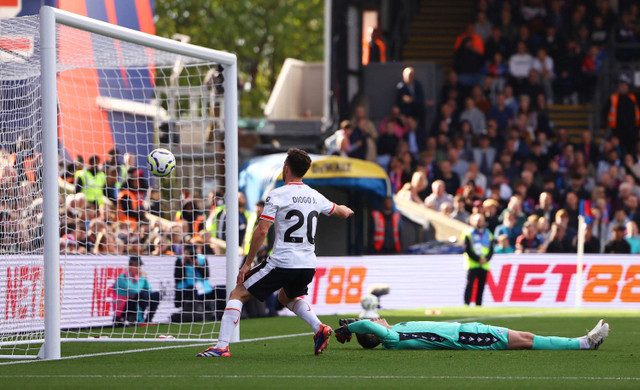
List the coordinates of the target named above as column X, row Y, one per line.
column 153, row 349
column 430, row 377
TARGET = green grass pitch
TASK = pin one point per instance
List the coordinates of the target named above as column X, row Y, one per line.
column 289, row 362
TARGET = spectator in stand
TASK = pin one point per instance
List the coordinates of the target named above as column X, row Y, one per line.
column 459, row 212
column 473, row 174
column 373, row 48
column 623, row 115
column 589, row 148
column 562, row 219
column 501, row 113
column 476, row 41
column 543, row 64
column 569, row 74
column 458, row 165
column 482, row 26
column 618, row 245
column 558, row 242
column 415, row 137
column 490, row 207
column 397, row 120
column 624, row 33
column 387, row 145
column 572, row 207
column 591, row 66
column 417, row 185
column 91, row 181
column 474, row 116
column 520, row 65
column 468, row 63
column 632, row 237
column 508, row 227
column 608, row 15
column 451, row 83
column 507, row 26
column 480, row 100
column 502, row 245
column 509, row 99
column 478, row 250
column 591, row 243
column 496, row 43
column 357, row 141
column 450, row 178
column 528, row 241
column 385, row 226
column 398, row 176
column 496, row 73
column 545, row 207
column 531, row 88
column 552, row 41
column 367, row 127
column 446, row 209
column 410, row 95
column 438, row 196
column 599, row 35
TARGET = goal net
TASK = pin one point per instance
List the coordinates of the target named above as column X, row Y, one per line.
column 135, row 257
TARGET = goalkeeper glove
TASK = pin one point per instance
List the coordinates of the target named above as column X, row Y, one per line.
column 343, row 334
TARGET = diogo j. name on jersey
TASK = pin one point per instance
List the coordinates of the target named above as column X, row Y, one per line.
column 294, row 209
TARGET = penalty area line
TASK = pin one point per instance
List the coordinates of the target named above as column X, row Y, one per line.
column 128, row 351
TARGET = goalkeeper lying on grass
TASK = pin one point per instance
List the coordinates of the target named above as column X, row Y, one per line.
column 454, row 335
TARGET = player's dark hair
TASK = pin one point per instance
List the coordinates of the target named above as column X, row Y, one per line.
column 368, row 341
column 298, row 161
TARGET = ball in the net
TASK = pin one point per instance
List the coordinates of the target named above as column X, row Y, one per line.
column 161, row 162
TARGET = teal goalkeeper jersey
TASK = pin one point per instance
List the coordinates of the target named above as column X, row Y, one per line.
column 435, row 335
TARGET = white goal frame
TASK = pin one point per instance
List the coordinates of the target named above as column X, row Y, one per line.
column 49, row 17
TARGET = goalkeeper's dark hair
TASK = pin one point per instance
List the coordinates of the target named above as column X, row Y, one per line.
column 298, row 161
column 368, row 340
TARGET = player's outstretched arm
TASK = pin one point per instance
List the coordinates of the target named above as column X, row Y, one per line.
column 342, row 212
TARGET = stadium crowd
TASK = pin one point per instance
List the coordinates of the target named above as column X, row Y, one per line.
column 493, row 149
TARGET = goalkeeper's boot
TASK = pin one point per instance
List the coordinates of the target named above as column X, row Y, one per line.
column 215, row 352
column 343, row 334
column 597, row 335
column 321, row 338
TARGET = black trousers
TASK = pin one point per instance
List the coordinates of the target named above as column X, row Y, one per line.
column 143, row 300
column 473, row 274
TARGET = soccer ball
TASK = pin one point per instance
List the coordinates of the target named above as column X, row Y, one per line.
column 369, row 305
column 161, row 162
column 369, row 302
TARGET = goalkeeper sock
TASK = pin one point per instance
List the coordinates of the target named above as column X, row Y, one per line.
column 302, row 309
column 229, row 321
column 555, row 343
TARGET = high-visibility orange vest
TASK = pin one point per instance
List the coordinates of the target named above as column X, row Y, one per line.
column 379, row 226
column 613, row 111
column 31, row 168
column 366, row 54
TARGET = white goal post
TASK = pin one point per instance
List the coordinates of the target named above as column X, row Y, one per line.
column 168, row 69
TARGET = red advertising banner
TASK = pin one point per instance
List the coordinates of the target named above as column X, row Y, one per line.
column 428, row 281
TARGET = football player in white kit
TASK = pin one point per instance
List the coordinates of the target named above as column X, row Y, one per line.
column 294, row 209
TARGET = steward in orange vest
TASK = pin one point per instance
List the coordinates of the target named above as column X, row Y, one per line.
column 623, row 117
column 385, row 226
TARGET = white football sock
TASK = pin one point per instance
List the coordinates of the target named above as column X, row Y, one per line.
column 229, row 321
column 302, row 309
column 584, row 342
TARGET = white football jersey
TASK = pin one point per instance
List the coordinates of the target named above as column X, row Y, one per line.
column 294, row 209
